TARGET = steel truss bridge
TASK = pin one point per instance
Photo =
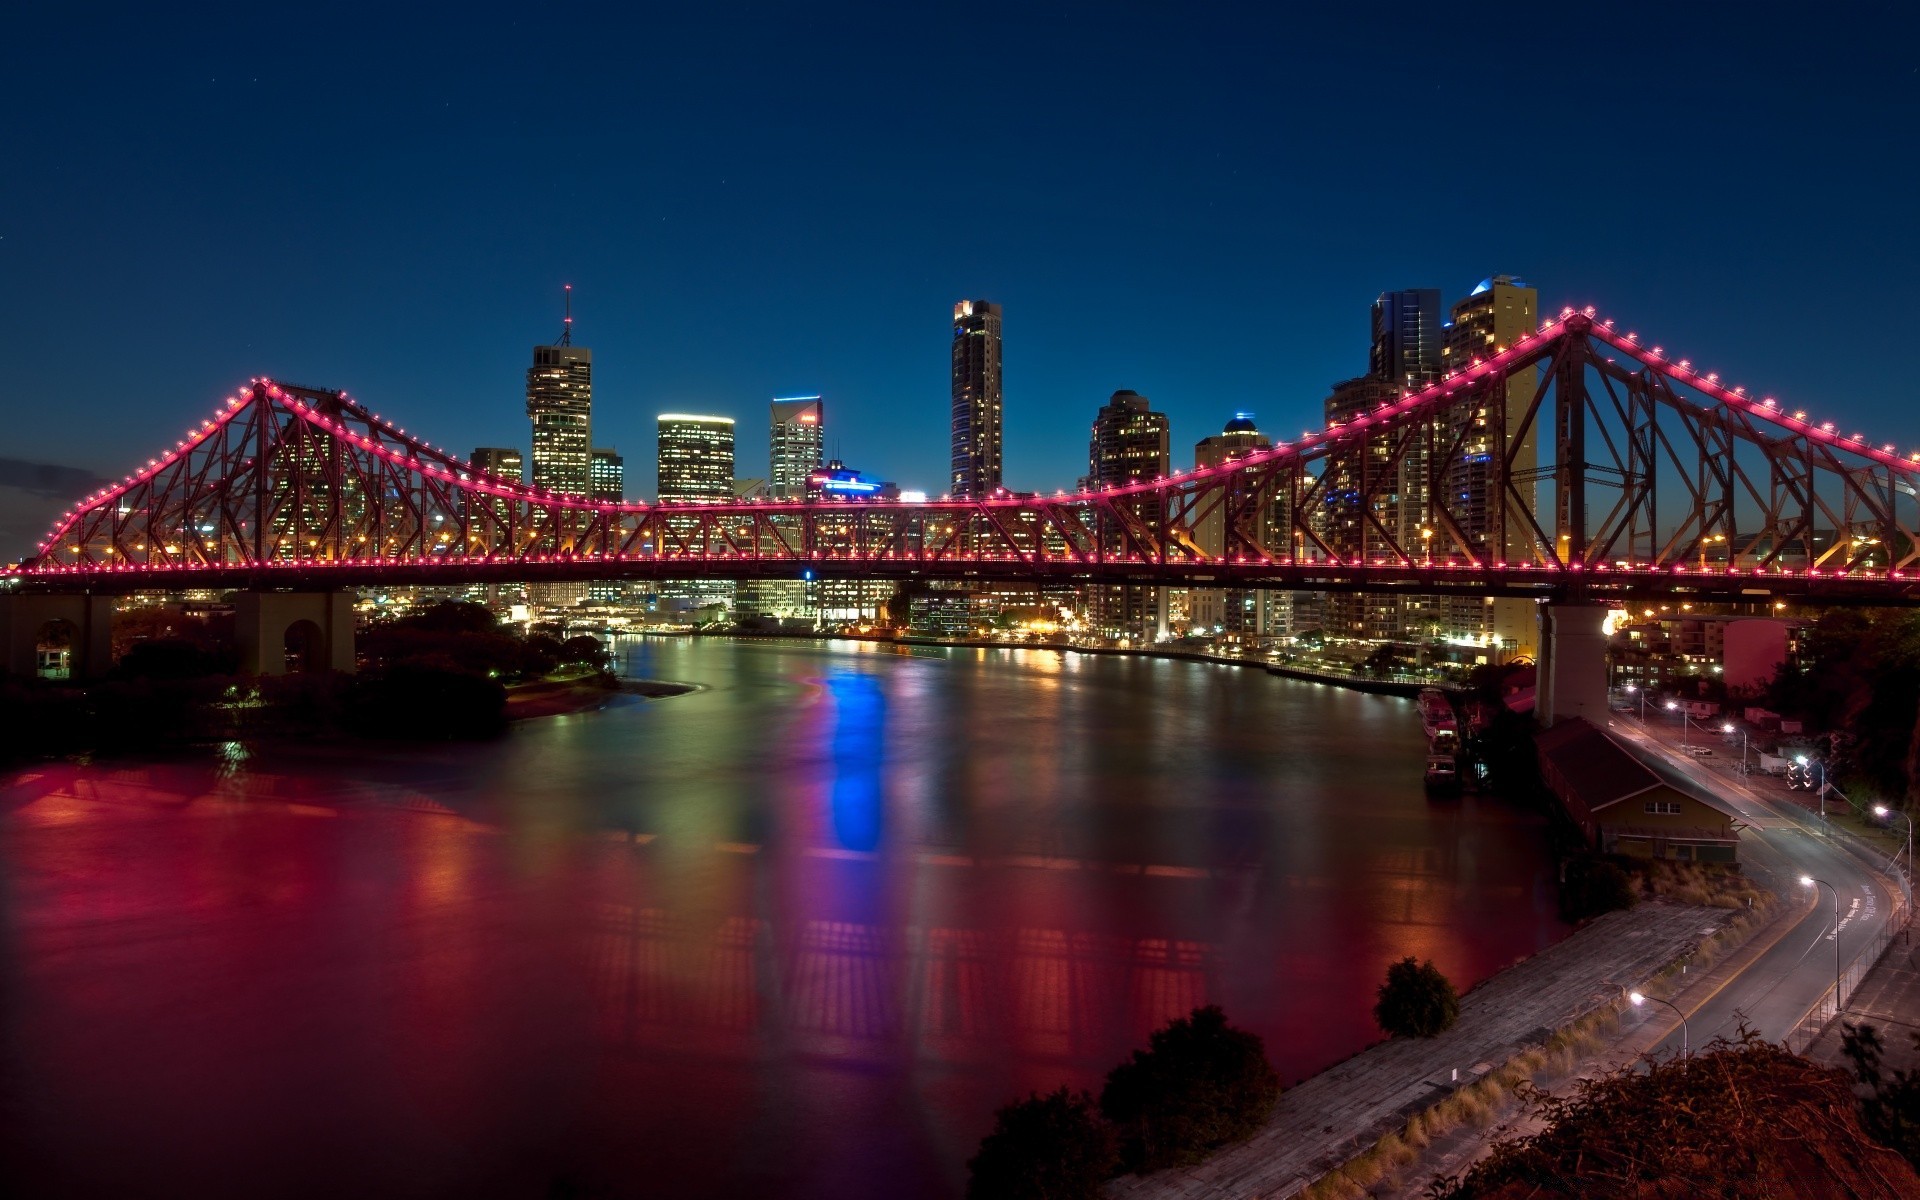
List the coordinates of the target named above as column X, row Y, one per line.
column 1580, row 464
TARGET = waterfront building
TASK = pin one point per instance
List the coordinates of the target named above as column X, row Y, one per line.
column 502, row 462
column 694, row 463
column 1492, row 317
column 1622, row 807
column 976, row 399
column 560, row 405
column 1247, row 615
column 1407, row 352
column 848, row 601
column 1360, row 498
column 1129, row 444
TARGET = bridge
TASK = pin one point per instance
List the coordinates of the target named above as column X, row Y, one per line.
column 1580, row 465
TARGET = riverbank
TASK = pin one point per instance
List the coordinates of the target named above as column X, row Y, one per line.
column 1402, row 687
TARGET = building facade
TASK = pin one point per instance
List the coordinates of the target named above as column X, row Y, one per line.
column 1129, row 444
column 797, row 444
column 694, row 461
column 1245, row 615
column 501, row 462
column 1360, row 498
column 1496, row 456
column 560, row 405
column 607, row 476
column 977, row 401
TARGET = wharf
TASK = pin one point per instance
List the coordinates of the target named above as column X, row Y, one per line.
column 1327, row 1119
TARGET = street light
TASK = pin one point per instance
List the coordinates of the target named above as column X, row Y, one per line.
column 1718, row 537
column 1686, row 1043
column 1643, row 701
column 1883, row 812
column 1810, row 881
column 1728, row 728
column 1426, row 544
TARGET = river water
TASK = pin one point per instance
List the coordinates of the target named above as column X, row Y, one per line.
column 796, row 934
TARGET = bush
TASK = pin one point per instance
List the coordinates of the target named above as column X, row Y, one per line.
column 1052, row 1147
column 1416, row 1000
column 174, row 658
column 427, row 700
column 1594, row 886
column 1199, row 1085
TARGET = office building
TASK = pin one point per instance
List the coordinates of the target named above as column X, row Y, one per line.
column 1408, row 338
column 502, row 462
column 607, row 476
column 976, row 399
column 560, row 405
column 1495, row 456
column 1129, row 444
column 1243, row 615
column 798, row 442
column 842, row 602
column 694, row 461
column 1360, row 499
column 1407, row 353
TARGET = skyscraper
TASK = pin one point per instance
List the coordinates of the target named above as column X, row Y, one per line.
column 799, row 437
column 607, row 476
column 1407, row 338
column 1361, row 497
column 1129, row 444
column 1495, row 457
column 560, row 404
column 695, row 457
column 695, row 463
column 502, row 462
column 976, row 399
column 1242, row 614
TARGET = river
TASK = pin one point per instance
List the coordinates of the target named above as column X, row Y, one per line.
column 796, row 934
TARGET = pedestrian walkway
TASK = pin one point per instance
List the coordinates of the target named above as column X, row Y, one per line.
column 1343, row 1110
column 1889, row 999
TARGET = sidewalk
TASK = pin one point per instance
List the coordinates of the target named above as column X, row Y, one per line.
column 1327, row 1119
column 1889, row 999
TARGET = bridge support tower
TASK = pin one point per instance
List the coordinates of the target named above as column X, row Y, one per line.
column 1572, row 676
column 63, row 635
column 286, row 632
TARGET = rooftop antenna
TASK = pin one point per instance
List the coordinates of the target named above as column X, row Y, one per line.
column 566, row 326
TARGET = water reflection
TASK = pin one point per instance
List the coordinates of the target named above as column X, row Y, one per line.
column 799, row 932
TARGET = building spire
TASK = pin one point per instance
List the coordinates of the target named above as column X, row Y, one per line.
column 566, row 326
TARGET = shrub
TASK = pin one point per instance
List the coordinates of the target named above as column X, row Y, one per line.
column 1052, row 1147
column 1594, row 886
column 428, row 700
column 1199, row 1085
column 1416, row 1000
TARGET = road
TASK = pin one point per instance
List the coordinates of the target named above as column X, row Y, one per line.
column 1782, row 843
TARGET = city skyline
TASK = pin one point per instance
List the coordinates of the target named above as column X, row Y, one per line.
column 816, row 244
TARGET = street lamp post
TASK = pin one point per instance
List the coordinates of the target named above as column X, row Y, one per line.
column 1686, row 1042
column 1643, row 701
column 1728, row 728
column 1883, row 812
column 1810, row 881
column 1674, row 706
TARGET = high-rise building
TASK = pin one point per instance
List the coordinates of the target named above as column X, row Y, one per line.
column 560, row 404
column 1361, row 497
column 976, row 399
column 798, row 443
column 1496, row 459
column 502, row 462
column 1129, row 444
column 1240, row 614
column 695, row 463
column 607, row 476
column 1407, row 338
column 695, row 457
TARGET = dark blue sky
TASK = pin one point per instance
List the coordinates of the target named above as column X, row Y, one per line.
column 754, row 200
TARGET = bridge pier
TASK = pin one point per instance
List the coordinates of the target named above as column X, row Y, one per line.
column 282, row 633
column 1571, row 680
column 58, row 636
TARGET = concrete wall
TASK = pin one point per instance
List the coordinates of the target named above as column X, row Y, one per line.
column 23, row 614
column 1573, row 673
column 262, row 619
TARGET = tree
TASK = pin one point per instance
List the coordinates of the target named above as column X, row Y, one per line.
column 1890, row 1111
column 1416, row 1000
column 1052, row 1147
column 1594, row 886
column 1199, row 1085
column 587, row 651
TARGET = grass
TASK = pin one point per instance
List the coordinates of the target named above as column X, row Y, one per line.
column 1710, row 885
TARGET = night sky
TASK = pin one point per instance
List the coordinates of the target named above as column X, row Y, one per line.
column 761, row 200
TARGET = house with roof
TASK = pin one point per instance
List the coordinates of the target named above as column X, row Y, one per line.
column 1622, row 807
